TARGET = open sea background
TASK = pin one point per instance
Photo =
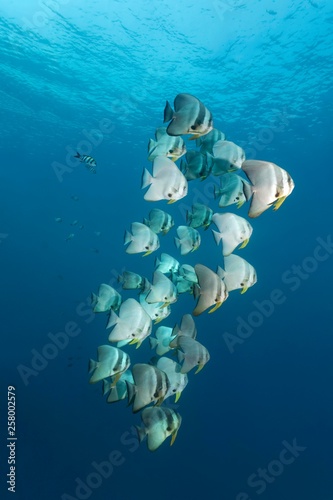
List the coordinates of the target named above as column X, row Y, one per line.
column 264, row 69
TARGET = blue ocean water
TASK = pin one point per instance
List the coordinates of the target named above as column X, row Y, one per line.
column 94, row 77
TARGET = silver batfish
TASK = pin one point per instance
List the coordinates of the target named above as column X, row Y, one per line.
column 158, row 424
column 165, row 145
column 271, row 185
column 189, row 117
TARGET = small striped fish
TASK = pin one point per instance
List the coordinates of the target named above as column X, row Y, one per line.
column 89, row 161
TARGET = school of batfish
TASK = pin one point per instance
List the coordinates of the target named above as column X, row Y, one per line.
column 132, row 320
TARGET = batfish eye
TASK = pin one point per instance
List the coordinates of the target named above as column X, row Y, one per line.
column 237, row 197
column 146, row 248
column 169, row 195
column 193, row 127
column 170, row 150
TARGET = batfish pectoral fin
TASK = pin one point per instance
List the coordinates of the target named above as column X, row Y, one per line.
column 139, row 342
column 244, row 289
column 173, row 438
column 171, row 201
column 240, row 204
column 115, row 379
column 200, row 367
column 217, row 305
column 178, row 394
column 279, row 202
column 134, row 341
column 147, row 253
column 245, row 242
